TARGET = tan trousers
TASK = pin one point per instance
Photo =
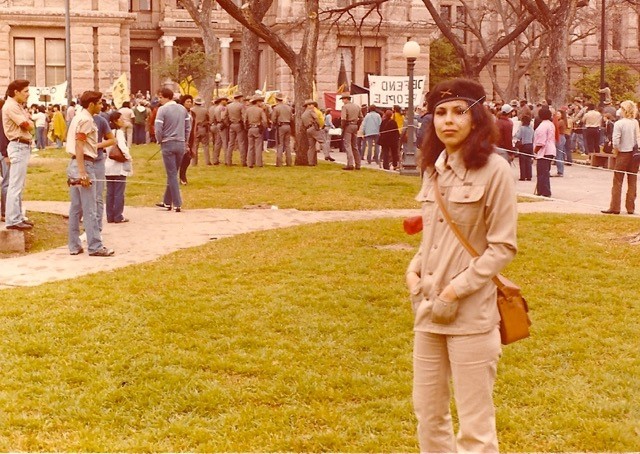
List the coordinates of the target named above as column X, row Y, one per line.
column 472, row 362
column 254, row 147
column 624, row 163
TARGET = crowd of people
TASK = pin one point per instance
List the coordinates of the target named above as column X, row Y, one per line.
column 190, row 132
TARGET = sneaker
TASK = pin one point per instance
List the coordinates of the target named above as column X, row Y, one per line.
column 347, row 168
column 178, row 209
column 102, row 252
column 78, row 252
column 164, row 205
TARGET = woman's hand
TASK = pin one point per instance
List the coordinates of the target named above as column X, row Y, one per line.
column 448, row 294
column 413, row 280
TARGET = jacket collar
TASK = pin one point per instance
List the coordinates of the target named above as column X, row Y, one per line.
column 452, row 161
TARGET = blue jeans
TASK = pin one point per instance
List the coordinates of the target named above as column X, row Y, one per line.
column 41, row 138
column 19, row 156
column 116, row 185
column 172, row 153
column 83, row 204
column 100, row 184
column 560, row 154
column 579, row 141
column 6, row 171
column 371, row 145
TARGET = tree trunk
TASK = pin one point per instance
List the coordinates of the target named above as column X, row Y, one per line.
column 304, row 75
column 211, row 48
column 249, row 63
column 250, row 52
column 302, row 89
column 557, row 76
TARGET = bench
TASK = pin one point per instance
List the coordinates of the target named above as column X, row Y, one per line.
column 606, row 160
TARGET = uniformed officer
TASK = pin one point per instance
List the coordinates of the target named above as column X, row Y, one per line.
column 220, row 130
column 312, row 127
column 281, row 117
column 201, row 132
column 350, row 116
column 256, row 123
column 237, row 132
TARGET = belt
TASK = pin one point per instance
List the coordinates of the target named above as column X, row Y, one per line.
column 25, row 141
column 352, row 122
column 235, row 122
column 254, row 126
column 86, row 158
column 284, row 123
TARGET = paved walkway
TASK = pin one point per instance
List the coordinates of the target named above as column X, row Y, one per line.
column 154, row 232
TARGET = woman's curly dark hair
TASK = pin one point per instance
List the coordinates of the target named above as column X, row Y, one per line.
column 483, row 136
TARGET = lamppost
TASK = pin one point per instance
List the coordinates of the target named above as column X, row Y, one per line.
column 603, row 47
column 527, row 84
column 67, row 59
column 410, row 51
column 217, row 80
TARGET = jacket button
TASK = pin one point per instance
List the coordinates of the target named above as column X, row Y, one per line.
column 466, row 196
column 435, row 246
column 440, row 220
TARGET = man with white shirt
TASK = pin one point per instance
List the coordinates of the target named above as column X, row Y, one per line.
column 82, row 145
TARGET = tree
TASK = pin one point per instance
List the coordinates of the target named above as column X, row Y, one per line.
column 473, row 63
column 621, row 78
column 302, row 63
column 443, row 62
column 250, row 52
column 556, row 17
column 200, row 12
column 191, row 65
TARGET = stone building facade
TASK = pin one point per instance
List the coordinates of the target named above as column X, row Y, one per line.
column 109, row 37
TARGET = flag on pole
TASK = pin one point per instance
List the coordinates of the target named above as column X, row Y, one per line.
column 120, row 91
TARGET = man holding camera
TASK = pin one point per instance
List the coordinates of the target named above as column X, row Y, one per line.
column 82, row 145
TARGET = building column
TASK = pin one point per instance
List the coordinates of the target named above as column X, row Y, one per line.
column 166, row 43
column 225, row 57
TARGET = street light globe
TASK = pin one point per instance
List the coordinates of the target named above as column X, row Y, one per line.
column 411, row 49
column 218, row 77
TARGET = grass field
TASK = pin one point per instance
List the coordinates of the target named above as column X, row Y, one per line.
column 300, row 340
column 326, row 187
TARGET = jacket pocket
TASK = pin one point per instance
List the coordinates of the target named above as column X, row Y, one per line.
column 465, row 204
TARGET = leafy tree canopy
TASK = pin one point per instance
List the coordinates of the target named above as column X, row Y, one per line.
column 622, row 81
column 443, row 62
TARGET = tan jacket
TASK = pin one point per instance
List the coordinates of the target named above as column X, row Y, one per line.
column 281, row 113
column 254, row 115
column 235, row 111
column 350, row 112
column 482, row 203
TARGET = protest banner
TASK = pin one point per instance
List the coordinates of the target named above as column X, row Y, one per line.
column 387, row 91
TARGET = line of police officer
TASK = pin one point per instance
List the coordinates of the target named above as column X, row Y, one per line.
column 238, row 126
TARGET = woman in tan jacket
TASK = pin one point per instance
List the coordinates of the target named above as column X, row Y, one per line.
column 460, row 345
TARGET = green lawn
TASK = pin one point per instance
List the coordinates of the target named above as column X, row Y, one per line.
column 326, row 187
column 300, row 340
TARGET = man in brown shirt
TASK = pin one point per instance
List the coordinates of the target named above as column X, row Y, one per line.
column 256, row 123
column 220, row 130
column 312, row 127
column 350, row 116
column 281, row 116
column 201, row 132
column 237, row 133
column 18, row 128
